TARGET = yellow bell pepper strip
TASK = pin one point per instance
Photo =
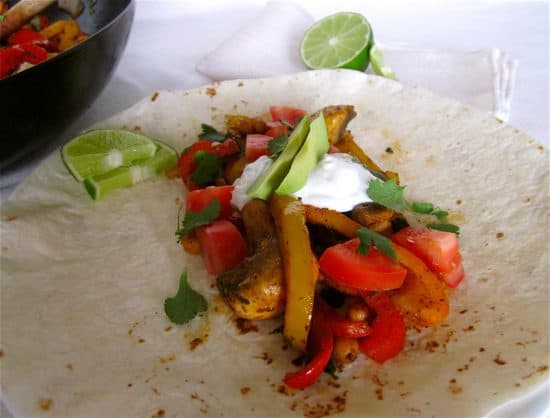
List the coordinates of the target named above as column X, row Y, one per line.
column 300, row 267
column 63, row 33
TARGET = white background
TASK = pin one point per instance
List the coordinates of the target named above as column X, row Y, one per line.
column 170, row 36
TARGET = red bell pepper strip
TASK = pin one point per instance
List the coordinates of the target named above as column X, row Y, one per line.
column 26, row 36
column 342, row 327
column 32, row 53
column 321, row 345
column 387, row 337
column 10, row 59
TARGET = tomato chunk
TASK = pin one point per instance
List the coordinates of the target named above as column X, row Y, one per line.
column 387, row 337
column 280, row 129
column 222, row 246
column 198, row 199
column 373, row 271
column 32, row 53
column 288, row 114
column 438, row 249
column 455, row 276
column 256, row 146
column 320, row 346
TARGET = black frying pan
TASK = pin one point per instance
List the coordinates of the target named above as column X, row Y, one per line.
column 38, row 103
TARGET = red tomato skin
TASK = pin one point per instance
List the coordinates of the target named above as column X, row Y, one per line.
column 24, row 36
column 256, row 146
column 286, row 113
column 374, row 271
column 277, row 130
column 32, row 53
column 222, row 246
column 198, row 199
column 438, row 249
column 187, row 162
column 387, row 337
column 320, row 345
column 10, row 59
column 455, row 276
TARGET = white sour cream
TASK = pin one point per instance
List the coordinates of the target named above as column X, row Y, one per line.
column 250, row 173
column 337, row 182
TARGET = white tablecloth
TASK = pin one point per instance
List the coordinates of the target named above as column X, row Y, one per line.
column 184, row 30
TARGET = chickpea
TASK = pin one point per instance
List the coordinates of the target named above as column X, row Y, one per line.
column 345, row 350
column 358, row 311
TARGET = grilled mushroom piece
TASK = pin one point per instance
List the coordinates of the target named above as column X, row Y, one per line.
column 255, row 289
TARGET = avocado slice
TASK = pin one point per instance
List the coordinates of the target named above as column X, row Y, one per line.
column 270, row 179
column 315, row 147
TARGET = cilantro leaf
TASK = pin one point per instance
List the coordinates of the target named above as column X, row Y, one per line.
column 209, row 133
column 388, row 194
column 445, row 227
column 368, row 237
column 277, row 145
column 209, row 167
column 187, row 303
column 389, row 150
column 2, row 17
column 195, row 219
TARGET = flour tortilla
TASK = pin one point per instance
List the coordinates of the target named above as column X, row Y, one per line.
column 83, row 282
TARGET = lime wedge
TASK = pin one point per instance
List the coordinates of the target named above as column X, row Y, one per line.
column 341, row 40
column 102, row 184
column 98, row 152
column 378, row 64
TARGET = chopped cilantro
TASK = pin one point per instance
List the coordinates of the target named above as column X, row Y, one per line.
column 209, row 167
column 429, row 209
column 277, row 145
column 388, row 194
column 445, row 227
column 2, row 17
column 389, row 150
column 368, row 237
column 187, row 303
column 209, row 133
column 195, row 219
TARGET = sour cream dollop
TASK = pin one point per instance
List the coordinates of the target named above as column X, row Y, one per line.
column 337, row 182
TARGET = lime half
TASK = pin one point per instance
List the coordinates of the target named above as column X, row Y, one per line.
column 379, row 65
column 101, row 185
column 341, row 40
column 98, row 152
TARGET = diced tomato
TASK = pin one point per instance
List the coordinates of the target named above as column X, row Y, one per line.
column 438, row 249
column 455, row 276
column 320, row 346
column 10, row 59
column 256, row 146
column 25, row 36
column 387, row 337
column 222, row 246
column 373, row 271
column 187, row 162
column 198, row 199
column 32, row 53
column 277, row 130
column 288, row 114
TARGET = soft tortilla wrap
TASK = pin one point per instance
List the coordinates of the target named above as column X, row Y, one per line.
column 83, row 282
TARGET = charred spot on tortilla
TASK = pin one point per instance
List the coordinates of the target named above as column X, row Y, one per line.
column 211, row 91
column 245, row 390
column 154, row 96
column 45, row 404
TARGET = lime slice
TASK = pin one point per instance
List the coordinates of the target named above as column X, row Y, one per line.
column 101, row 185
column 378, row 64
column 341, row 40
column 98, row 152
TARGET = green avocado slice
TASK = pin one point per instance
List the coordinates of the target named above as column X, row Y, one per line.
column 314, row 148
column 269, row 180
